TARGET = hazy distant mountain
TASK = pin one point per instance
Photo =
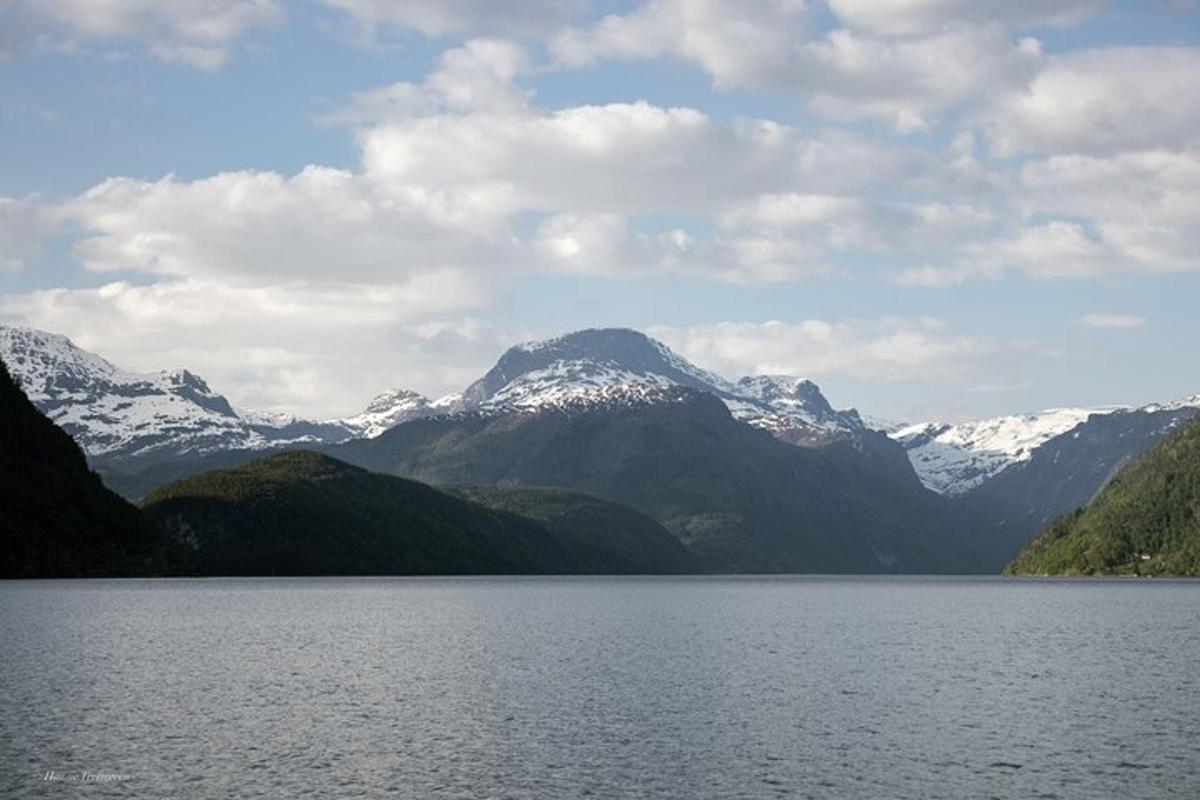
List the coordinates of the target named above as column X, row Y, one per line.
column 1145, row 521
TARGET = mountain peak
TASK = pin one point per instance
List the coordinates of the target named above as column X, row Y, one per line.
column 800, row 413
column 595, row 359
column 392, row 398
column 590, row 339
column 387, row 410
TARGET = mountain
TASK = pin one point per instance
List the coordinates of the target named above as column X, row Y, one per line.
column 618, row 365
column 1146, row 520
column 392, row 408
column 128, row 422
column 56, row 518
column 303, row 513
column 110, row 412
column 1062, row 474
column 739, row 499
column 796, row 412
column 643, row 544
column 282, row 428
column 955, row 458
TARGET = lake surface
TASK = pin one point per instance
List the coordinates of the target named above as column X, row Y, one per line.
column 560, row 688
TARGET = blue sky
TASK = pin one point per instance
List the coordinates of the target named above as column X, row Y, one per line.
column 942, row 208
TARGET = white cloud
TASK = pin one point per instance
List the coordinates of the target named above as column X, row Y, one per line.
column 853, row 223
column 1119, row 321
column 321, row 223
column 478, row 76
column 450, row 192
column 470, row 17
column 628, row 157
column 319, row 349
column 1143, row 205
column 770, row 44
column 1101, row 102
column 910, row 83
column 739, row 42
column 609, row 245
column 25, row 222
column 907, row 17
column 195, row 32
column 454, row 167
column 889, row 349
column 1133, row 213
column 933, row 276
column 1057, row 249
column 769, row 238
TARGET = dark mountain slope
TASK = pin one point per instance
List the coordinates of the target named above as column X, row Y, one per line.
column 56, row 517
column 303, row 513
column 637, row 539
column 1146, row 520
column 739, row 499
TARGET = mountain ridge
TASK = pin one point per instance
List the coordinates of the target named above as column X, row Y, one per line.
column 1146, row 520
column 118, row 414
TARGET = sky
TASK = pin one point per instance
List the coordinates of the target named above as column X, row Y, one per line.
column 933, row 208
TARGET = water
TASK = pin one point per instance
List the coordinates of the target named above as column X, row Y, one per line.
column 560, row 688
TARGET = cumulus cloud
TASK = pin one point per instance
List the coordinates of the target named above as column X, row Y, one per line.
column 25, row 222
column 1118, row 321
column 1101, row 102
column 319, row 349
column 470, row 17
column 771, row 44
column 628, row 157
column 739, row 42
column 891, row 18
column 1143, row 205
column 915, row 64
column 888, row 349
column 321, row 223
column 609, row 245
column 195, row 32
column 855, row 223
column 1133, row 213
column 478, row 76
column 450, row 174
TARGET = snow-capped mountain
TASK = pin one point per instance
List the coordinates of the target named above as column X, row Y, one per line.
column 114, row 413
column 541, row 373
column 392, row 408
column 110, row 411
column 605, row 366
column 956, row 458
column 799, row 413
